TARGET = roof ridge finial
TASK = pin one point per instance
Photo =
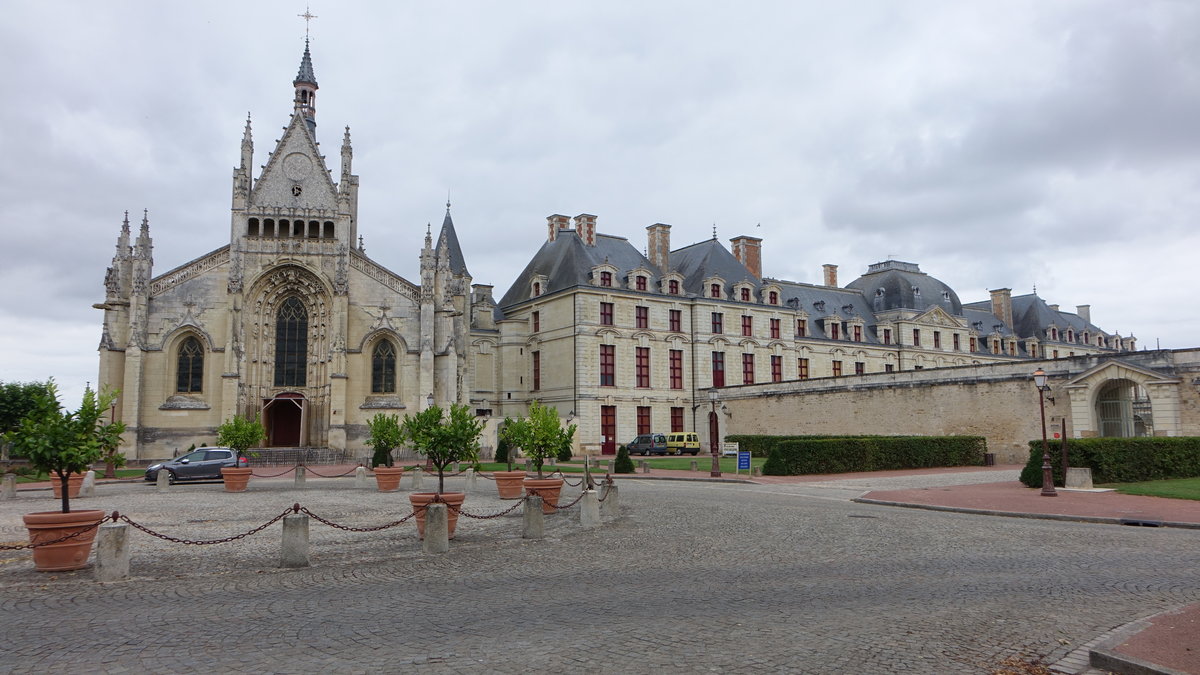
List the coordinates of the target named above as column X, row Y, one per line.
column 714, row 231
column 308, row 17
column 447, row 200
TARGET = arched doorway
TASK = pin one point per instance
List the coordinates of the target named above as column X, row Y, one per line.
column 1123, row 410
column 283, row 417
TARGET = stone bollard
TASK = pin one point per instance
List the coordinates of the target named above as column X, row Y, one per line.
column 112, row 552
column 645, row 466
column 534, row 520
column 695, row 465
column 300, row 472
column 470, row 480
column 416, row 478
column 8, row 490
column 437, row 529
column 163, row 481
column 88, row 487
column 295, row 541
column 360, row 477
column 612, row 466
column 757, row 471
column 528, row 465
column 456, row 469
column 610, row 507
column 589, row 511
column 1078, row 478
column 553, row 461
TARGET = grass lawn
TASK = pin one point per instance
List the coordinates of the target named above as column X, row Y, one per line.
column 684, row 463
column 1175, row 488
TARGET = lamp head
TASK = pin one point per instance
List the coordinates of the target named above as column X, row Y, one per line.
column 1039, row 378
column 429, row 400
column 712, row 395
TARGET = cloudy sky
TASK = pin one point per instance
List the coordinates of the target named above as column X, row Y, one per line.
column 998, row 144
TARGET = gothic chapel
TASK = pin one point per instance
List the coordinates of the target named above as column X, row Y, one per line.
column 291, row 320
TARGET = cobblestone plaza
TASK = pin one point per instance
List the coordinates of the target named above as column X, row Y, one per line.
column 717, row 577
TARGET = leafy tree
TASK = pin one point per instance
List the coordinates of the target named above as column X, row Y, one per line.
column 62, row 443
column 540, row 436
column 443, row 441
column 17, row 399
column 385, row 436
column 623, row 463
column 502, row 452
column 240, row 434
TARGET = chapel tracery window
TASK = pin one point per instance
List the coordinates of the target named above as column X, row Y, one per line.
column 383, row 368
column 190, row 367
column 291, row 344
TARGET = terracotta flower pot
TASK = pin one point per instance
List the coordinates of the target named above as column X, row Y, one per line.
column 236, row 478
column 74, row 483
column 420, row 500
column 548, row 489
column 71, row 554
column 508, row 484
column 387, row 478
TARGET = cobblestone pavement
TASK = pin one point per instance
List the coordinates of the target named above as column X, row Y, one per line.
column 692, row 577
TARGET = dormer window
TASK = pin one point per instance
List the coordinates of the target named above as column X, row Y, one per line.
column 745, row 295
column 1086, row 338
column 640, row 283
column 1054, row 334
column 773, row 298
column 1070, row 335
column 673, row 287
column 714, row 290
column 606, row 279
column 537, row 288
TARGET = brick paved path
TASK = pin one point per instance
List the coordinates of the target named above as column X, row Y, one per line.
column 695, row 577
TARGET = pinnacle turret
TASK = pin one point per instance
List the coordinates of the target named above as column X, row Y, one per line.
column 306, row 89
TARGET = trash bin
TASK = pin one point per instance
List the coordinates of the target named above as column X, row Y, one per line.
column 989, row 459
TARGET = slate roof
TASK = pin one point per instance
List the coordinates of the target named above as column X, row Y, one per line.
column 705, row 259
column 458, row 264
column 894, row 284
column 568, row 262
column 306, row 74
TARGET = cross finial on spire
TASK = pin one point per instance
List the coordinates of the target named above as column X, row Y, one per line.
column 714, row 230
column 308, row 17
column 447, row 200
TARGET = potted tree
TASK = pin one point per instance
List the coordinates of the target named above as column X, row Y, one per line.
column 442, row 441
column 61, row 444
column 542, row 437
column 238, row 434
column 508, row 483
column 385, row 436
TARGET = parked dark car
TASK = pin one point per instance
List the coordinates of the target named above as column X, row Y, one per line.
column 197, row 464
column 648, row 444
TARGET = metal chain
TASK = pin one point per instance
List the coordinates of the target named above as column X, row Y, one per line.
column 321, row 475
column 563, row 476
column 505, row 512
column 202, row 542
column 332, row 524
column 273, row 475
column 604, row 495
column 556, row 506
column 83, row 530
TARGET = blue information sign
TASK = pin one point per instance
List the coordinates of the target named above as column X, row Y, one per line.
column 743, row 460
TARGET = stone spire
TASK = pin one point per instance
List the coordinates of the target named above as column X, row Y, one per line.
column 306, row 89
column 247, row 146
column 448, row 248
column 347, row 156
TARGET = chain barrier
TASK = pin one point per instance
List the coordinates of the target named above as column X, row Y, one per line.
column 273, row 475
column 83, row 530
column 321, row 475
column 489, row 516
column 323, row 521
column 556, row 507
column 607, row 486
column 563, row 476
column 203, row 542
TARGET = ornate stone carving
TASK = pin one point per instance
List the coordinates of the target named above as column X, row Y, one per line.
column 112, row 285
column 235, row 274
column 341, row 277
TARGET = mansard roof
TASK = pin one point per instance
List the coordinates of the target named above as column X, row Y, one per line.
column 905, row 286
column 457, row 263
column 1032, row 317
column 705, row 259
column 568, row 262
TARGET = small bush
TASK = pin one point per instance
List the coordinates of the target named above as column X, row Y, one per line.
column 1118, row 460
column 623, row 463
column 564, row 453
column 800, row 456
column 501, row 452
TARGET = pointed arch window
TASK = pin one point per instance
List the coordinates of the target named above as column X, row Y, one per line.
column 189, row 378
column 291, row 344
column 383, row 368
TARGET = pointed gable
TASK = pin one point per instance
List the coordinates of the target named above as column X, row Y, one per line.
column 449, row 240
column 296, row 175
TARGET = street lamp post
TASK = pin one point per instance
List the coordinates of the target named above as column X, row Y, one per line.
column 715, row 428
column 1039, row 381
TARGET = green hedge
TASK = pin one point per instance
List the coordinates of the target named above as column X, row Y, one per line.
column 1119, row 460
column 761, row 445
column 808, row 455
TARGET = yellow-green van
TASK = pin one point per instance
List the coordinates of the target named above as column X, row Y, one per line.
column 683, row 443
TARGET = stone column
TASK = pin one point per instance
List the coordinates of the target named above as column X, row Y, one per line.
column 589, row 509
column 88, row 487
column 8, row 490
column 416, row 478
column 112, row 552
column 534, row 521
column 163, row 481
column 610, row 507
column 299, row 480
column 437, row 529
column 295, row 541
column 470, row 480
column 360, row 477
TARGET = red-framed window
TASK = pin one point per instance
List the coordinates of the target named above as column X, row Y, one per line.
column 858, row 333
column 714, row 290
column 643, row 419
column 773, row 297
column 957, row 343
column 937, row 339
column 676, row 419
column 642, row 316
column 774, row 329
column 537, row 369
column 676, row 368
column 837, row 368
column 860, row 368
column 640, row 283
column 802, row 368
column 537, row 288
column 887, row 336
column 801, row 327
column 747, row 369
column 537, row 321
column 889, row 368
column 747, row 325
column 608, row 365
column 745, row 295
column 673, row 287
column 606, row 279
column 675, row 320
column 718, row 369
column 917, row 337
column 642, row 366
column 971, row 344
column 776, row 368
column 718, row 322
column 834, row 331
column 606, row 314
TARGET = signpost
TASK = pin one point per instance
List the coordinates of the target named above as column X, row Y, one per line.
column 743, row 461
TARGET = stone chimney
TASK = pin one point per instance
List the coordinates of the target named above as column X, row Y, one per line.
column 1053, row 308
column 1084, row 312
column 830, row 275
column 555, row 223
column 658, row 245
column 1002, row 305
column 748, row 251
column 585, row 226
